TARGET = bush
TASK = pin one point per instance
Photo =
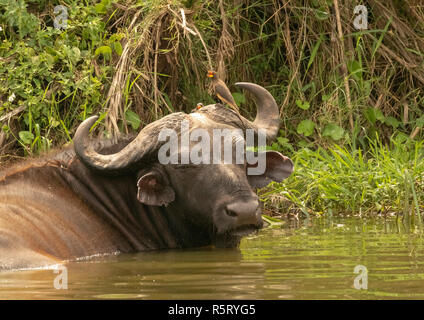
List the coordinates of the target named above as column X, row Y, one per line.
column 348, row 181
column 132, row 61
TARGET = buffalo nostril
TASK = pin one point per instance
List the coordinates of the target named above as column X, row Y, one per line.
column 231, row 213
column 244, row 211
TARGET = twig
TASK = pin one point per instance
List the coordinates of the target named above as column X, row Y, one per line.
column 295, row 66
column 12, row 113
column 155, row 73
column 204, row 46
column 7, row 117
column 114, row 96
column 225, row 43
column 184, row 24
column 344, row 65
column 405, row 113
column 414, row 133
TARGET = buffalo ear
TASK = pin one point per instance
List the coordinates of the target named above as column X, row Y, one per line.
column 154, row 189
column 278, row 168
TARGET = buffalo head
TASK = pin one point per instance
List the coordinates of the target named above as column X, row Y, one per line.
column 219, row 196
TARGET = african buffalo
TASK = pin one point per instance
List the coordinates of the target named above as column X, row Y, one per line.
column 101, row 197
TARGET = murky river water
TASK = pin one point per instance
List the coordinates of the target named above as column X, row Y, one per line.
column 307, row 260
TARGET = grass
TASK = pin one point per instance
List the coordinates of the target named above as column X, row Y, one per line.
column 385, row 180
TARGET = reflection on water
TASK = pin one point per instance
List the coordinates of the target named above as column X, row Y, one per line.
column 308, row 260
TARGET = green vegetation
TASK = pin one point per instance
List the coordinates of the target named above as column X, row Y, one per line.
column 351, row 100
column 386, row 179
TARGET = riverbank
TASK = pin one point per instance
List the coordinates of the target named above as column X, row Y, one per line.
column 383, row 180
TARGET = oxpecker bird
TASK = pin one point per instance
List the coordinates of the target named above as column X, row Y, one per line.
column 221, row 90
column 199, row 106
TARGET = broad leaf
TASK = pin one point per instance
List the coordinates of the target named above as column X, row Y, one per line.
column 333, row 131
column 105, row 51
column 374, row 114
column 420, row 121
column 355, row 69
column 302, row 104
column 26, row 136
column 306, row 127
column 133, row 119
column 391, row 121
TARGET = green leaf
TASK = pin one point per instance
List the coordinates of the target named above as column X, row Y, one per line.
column 26, row 137
column 306, row 127
column 379, row 115
column 303, row 144
column 325, row 97
column 284, row 143
column 369, row 115
column 73, row 54
column 303, row 104
column 401, row 138
column 55, row 123
column 420, row 121
column 105, row 51
column 100, row 8
column 282, row 140
column 314, row 52
column 391, row 121
column 333, row 131
column 168, row 101
column 308, row 86
column 321, row 14
column 239, row 98
column 272, row 220
column 374, row 114
column 5, row 128
column 118, row 47
column 133, row 119
column 355, row 69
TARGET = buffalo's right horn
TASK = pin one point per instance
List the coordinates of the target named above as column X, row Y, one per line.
column 267, row 115
column 144, row 145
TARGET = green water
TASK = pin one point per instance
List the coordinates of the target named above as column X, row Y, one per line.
column 297, row 260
